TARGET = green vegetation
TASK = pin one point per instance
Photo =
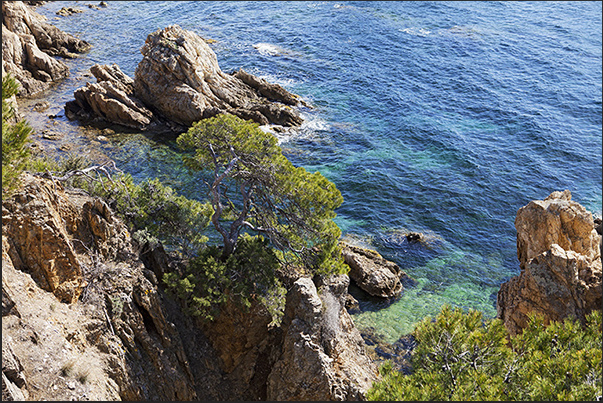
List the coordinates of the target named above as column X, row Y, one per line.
column 15, row 137
column 209, row 280
column 461, row 357
column 254, row 186
column 154, row 212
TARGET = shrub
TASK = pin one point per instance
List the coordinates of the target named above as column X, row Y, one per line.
column 254, row 187
column 155, row 210
column 462, row 357
column 209, row 281
column 15, row 137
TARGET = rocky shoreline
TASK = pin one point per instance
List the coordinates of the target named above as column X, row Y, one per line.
column 85, row 316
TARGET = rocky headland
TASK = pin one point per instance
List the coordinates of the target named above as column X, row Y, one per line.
column 86, row 317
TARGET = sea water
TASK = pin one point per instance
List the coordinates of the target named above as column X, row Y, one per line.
column 442, row 118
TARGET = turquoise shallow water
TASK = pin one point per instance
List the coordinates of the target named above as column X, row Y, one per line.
column 434, row 117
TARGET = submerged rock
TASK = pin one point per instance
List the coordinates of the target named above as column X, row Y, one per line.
column 559, row 252
column 371, row 272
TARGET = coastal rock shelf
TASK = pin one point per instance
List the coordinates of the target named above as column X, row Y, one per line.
column 180, row 81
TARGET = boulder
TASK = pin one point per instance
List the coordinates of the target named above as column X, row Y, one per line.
column 111, row 99
column 323, row 356
column 28, row 44
column 371, row 272
column 179, row 77
column 559, row 252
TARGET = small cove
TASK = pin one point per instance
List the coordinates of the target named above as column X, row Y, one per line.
column 439, row 118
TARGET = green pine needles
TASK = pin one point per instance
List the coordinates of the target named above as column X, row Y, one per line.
column 15, row 137
column 254, row 187
column 461, row 357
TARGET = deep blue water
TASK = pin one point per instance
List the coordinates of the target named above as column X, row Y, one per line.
column 436, row 117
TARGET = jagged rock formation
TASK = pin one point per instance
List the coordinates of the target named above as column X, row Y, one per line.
column 101, row 309
column 559, row 251
column 28, row 44
column 323, row 356
column 179, row 76
column 371, row 272
column 111, row 98
column 84, row 317
column 179, row 80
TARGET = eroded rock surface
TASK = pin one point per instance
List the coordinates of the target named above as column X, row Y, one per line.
column 111, row 98
column 179, row 76
column 371, row 272
column 559, row 251
column 28, row 44
column 323, row 356
column 84, row 315
column 106, row 331
column 179, row 81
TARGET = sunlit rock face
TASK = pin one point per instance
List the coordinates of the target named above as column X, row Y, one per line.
column 559, row 251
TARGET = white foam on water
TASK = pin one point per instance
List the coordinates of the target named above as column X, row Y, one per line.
column 268, row 49
column 416, row 31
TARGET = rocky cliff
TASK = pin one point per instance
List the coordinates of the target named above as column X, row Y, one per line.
column 80, row 313
column 84, row 317
column 559, row 251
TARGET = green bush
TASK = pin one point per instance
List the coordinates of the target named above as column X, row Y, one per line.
column 155, row 210
column 461, row 357
column 15, row 137
column 209, row 281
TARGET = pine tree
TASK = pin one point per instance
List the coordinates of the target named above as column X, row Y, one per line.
column 15, row 137
column 253, row 186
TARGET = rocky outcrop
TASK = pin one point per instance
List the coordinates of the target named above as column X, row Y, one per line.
column 371, row 272
column 81, row 311
column 84, row 317
column 178, row 81
column 28, row 44
column 559, row 252
column 111, row 99
column 323, row 356
column 38, row 240
column 179, row 76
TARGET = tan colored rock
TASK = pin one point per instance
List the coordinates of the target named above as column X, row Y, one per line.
column 116, row 335
column 179, row 77
column 28, row 44
column 14, row 384
column 371, row 272
column 556, row 219
column 39, row 243
column 111, row 99
column 560, row 261
column 323, row 356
